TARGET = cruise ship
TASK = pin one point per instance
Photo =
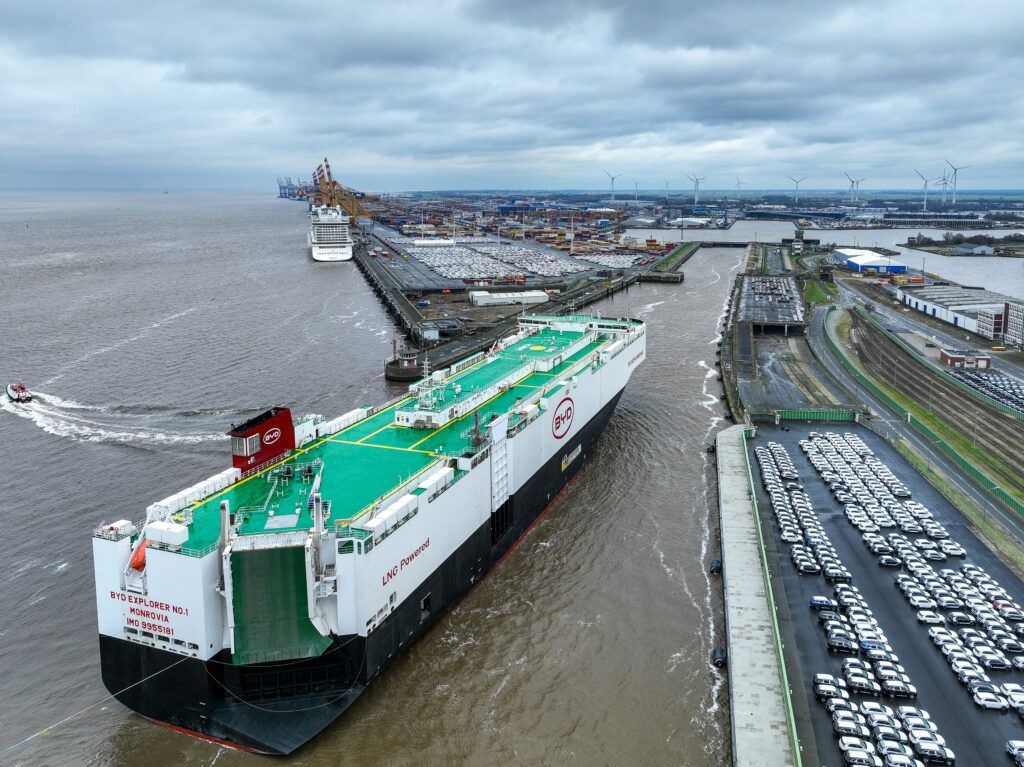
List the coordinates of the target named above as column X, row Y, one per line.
column 329, row 235
column 254, row 607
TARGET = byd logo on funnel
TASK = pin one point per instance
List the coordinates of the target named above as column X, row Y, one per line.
column 563, row 418
column 271, row 436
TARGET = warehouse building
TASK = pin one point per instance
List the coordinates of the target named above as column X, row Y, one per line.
column 485, row 298
column 974, row 250
column 860, row 260
column 959, row 306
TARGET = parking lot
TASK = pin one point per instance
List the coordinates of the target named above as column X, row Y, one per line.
column 1000, row 387
column 880, row 611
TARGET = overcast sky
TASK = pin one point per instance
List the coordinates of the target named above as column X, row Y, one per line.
column 509, row 93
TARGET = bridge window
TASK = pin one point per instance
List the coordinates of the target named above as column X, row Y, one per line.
column 245, row 446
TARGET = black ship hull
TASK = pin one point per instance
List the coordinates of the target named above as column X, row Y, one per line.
column 275, row 708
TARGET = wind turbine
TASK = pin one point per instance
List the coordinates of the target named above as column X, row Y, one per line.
column 612, row 179
column 956, row 172
column 926, row 182
column 944, row 182
column 667, row 182
column 696, row 186
column 738, row 185
column 797, row 181
column 854, row 186
column 636, row 190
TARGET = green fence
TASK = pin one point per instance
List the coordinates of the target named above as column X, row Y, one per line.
column 966, row 466
column 842, row 415
column 817, row 415
column 786, row 695
column 969, row 390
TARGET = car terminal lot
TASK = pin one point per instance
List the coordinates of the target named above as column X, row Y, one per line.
column 976, row 736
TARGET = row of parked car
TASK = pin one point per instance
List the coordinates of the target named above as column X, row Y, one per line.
column 872, row 497
column 798, row 524
column 990, row 637
column 1002, row 388
column 928, row 593
column 875, row 735
column 851, row 628
column 869, row 733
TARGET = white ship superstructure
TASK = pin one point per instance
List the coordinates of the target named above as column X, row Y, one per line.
column 330, row 237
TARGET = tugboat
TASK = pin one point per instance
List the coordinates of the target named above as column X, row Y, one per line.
column 18, row 393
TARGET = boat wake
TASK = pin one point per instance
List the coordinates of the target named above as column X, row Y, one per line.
column 93, row 423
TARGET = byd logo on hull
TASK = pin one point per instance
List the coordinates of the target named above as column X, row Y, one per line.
column 563, row 418
column 271, row 436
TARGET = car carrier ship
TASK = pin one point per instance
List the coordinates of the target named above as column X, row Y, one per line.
column 253, row 608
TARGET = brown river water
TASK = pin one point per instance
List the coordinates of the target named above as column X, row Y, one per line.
column 148, row 323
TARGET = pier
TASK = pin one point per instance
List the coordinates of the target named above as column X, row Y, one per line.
column 416, row 327
column 761, row 717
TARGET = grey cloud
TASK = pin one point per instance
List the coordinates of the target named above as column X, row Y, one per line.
column 490, row 93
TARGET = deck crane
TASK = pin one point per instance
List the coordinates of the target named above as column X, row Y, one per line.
column 332, row 193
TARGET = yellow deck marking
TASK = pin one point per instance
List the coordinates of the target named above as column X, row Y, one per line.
column 332, row 438
column 374, row 434
column 382, row 447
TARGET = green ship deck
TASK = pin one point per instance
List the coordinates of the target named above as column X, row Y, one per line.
column 371, row 459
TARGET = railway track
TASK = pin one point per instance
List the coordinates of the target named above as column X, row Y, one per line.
column 999, row 434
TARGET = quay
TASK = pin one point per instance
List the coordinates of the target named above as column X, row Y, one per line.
column 761, row 720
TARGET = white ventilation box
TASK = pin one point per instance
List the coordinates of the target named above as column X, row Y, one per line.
column 170, row 533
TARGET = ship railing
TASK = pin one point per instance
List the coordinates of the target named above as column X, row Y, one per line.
column 345, row 530
column 267, row 464
column 115, row 534
column 385, row 405
column 270, row 540
column 190, row 551
column 481, row 456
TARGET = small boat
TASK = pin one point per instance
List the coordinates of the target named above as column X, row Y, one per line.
column 18, row 393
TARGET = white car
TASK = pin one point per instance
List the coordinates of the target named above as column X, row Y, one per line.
column 904, row 711
column 859, row 758
column 917, row 737
column 991, row 701
column 931, row 618
column 856, row 744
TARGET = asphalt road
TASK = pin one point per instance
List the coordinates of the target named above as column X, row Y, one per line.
column 976, row 736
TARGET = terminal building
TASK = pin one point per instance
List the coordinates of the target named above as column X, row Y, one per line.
column 860, row 260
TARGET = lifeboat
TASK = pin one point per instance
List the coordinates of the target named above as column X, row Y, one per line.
column 138, row 560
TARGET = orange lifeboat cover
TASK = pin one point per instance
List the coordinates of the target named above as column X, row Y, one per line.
column 139, row 557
